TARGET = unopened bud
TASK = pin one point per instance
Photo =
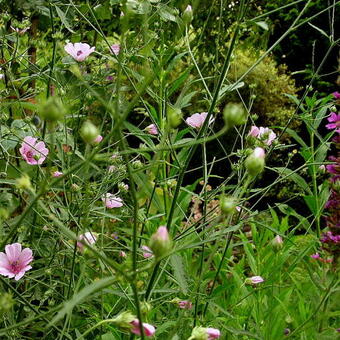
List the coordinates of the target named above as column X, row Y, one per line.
column 52, row 109
column 234, row 114
column 145, row 307
column 89, row 132
column 277, row 243
column 255, row 162
column 174, row 117
column 187, row 15
column 23, row 182
column 124, row 320
column 228, row 205
column 160, row 242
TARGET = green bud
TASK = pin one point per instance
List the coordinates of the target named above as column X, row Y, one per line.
column 124, row 320
column 23, row 182
column 199, row 333
column 227, row 204
column 187, row 15
column 145, row 307
column 137, row 164
column 234, row 114
column 89, row 132
column 277, row 243
column 160, row 242
column 255, row 162
column 4, row 214
column 52, row 109
column 174, row 117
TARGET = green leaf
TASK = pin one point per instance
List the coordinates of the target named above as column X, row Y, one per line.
column 179, row 272
column 294, row 177
column 63, row 19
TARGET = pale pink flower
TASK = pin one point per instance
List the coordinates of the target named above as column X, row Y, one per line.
column 111, row 201
column 162, row 234
column 15, row 262
column 111, row 168
column 98, row 139
column 57, row 174
column 147, row 252
column 122, row 253
column 255, row 280
column 148, row 329
column 213, row 333
column 152, row 129
column 259, row 153
column 32, row 151
column 197, row 120
column 265, row 134
column 89, row 238
column 115, row 49
column 185, row 304
column 79, row 51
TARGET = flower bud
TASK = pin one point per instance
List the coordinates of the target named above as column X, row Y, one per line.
column 89, row 132
column 254, row 280
column 277, row 243
column 187, row 15
column 124, row 320
column 160, row 242
column 52, row 109
column 145, row 307
column 201, row 333
column 255, row 162
column 227, row 204
column 174, row 117
column 234, row 114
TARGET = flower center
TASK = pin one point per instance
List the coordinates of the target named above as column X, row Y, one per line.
column 79, row 53
column 15, row 268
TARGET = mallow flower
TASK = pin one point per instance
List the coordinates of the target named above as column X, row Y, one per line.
column 32, row 151
column 79, row 51
column 112, row 201
column 197, row 120
column 148, row 329
column 15, row 261
column 266, row 135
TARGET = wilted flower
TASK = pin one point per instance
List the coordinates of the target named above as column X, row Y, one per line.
column 148, row 329
column 334, row 120
column 111, row 168
column 147, row 252
column 197, row 120
column 111, row 201
column 32, row 151
column 115, row 49
column 79, row 51
column 88, row 238
column 185, row 304
column 266, row 135
column 57, row 174
column 15, row 262
column 152, row 129
column 254, row 280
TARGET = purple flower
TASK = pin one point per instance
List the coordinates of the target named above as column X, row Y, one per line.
column 315, row 256
column 336, row 95
column 32, row 151
column 334, row 120
column 79, row 51
column 15, row 262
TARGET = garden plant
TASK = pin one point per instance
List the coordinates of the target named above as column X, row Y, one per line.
column 169, row 169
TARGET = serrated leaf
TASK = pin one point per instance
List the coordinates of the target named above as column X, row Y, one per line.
column 179, row 272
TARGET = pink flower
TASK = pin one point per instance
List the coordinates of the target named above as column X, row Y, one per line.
column 33, row 152
column 79, row 51
column 197, row 120
column 147, row 252
column 213, row 333
column 255, row 280
column 122, row 253
column 149, row 330
column 111, row 168
column 334, row 120
column 15, row 262
column 88, row 238
column 162, row 234
column 98, row 139
column 111, row 201
column 265, row 134
column 152, row 129
column 57, row 174
column 315, row 256
column 115, row 49
column 185, row 304
column 336, row 95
